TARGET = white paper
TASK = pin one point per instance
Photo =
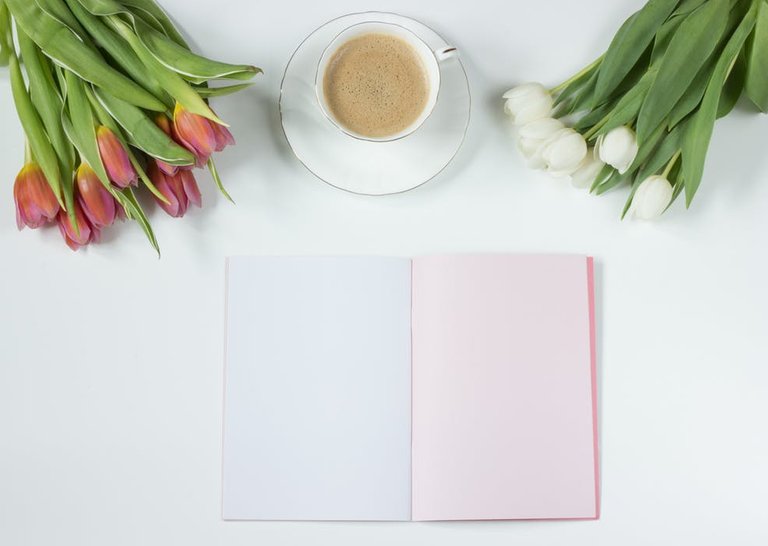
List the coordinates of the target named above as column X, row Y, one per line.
column 317, row 418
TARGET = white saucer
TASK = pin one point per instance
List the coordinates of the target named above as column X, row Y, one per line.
column 359, row 166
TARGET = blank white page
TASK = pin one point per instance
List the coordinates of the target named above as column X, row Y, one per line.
column 318, row 383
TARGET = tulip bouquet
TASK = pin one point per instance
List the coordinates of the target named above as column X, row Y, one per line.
column 643, row 113
column 113, row 98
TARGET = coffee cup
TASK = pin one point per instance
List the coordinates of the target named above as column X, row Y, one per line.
column 417, row 93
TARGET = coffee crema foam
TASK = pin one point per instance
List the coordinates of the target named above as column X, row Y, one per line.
column 376, row 85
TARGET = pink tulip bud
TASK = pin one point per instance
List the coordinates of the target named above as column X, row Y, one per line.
column 87, row 233
column 36, row 203
column 224, row 137
column 97, row 203
column 195, row 133
column 162, row 121
column 180, row 190
column 115, row 158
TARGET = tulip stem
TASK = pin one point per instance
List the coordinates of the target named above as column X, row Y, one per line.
column 27, row 151
column 596, row 127
column 576, row 76
column 671, row 164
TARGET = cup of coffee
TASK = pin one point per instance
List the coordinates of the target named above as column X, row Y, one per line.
column 379, row 81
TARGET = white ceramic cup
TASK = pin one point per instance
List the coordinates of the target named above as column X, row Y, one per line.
column 430, row 59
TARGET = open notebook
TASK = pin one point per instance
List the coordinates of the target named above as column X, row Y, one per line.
column 438, row 388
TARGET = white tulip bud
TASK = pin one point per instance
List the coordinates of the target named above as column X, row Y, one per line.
column 563, row 152
column 585, row 175
column 527, row 102
column 652, row 197
column 532, row 137
column 618, row 148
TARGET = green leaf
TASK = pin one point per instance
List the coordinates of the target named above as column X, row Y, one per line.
column 6, row 35
column 693, row 95
column 690, row 47
column 59, row 11
column 217, row 180
column 119, row 51
column 42, row 148
column 734, row 86
column 628, row 106
column 699, row 131
column 209, row 92
column 605, row 174
column 130, row 204
column 628, row 45
column 184, row 62
column 155, row 13
column 757, row 60
column 664, row 36
column 577, row 81
column 170, row 80
column 142, row 131
column 667, row 146
column 60, row 44
column 687, row 6
column 46, row 99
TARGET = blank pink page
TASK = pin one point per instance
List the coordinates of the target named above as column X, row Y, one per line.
column 503, row 388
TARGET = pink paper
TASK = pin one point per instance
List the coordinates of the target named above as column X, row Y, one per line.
column 504, row 394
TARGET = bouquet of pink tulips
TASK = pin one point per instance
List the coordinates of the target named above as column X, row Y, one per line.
column 643, row 113
column 113, row 99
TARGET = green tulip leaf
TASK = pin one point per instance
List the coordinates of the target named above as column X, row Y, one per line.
column 41, row 146
column 699, row 131
column 186, row 63
column 209, row 92
column 6, row 35
column 46, row 99
column 734, row 86
column 690, row 47
column 170, row 80
column 58, row 10
column 756, row 86
column 59, row 43
column 693, row 95
column 149, row 10
column 142, row 132
column 217, row 180
column 628, row 45
column 119, row 51
column 133, row 210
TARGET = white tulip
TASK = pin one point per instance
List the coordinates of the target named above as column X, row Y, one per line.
column 563, row 152
column 585, row 175
column 532, row 137
column 527, row 102
column 652, row 197
column 618, row 148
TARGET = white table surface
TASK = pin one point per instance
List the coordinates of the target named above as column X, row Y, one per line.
column 111, row 360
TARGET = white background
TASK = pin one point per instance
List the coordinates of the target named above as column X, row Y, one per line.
column 111, row 372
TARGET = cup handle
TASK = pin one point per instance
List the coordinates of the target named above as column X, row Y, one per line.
column 446, row 53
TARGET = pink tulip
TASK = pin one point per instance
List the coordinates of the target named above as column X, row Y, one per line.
column 162, row 121
column 224, row 137
column 36, row 203
column 180, row 190
column 115, row 158
column 195, row 133
column 97, row 203
column 87, row 233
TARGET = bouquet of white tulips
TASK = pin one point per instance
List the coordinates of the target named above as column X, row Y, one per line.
column 110, row 98
column 643, row 113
